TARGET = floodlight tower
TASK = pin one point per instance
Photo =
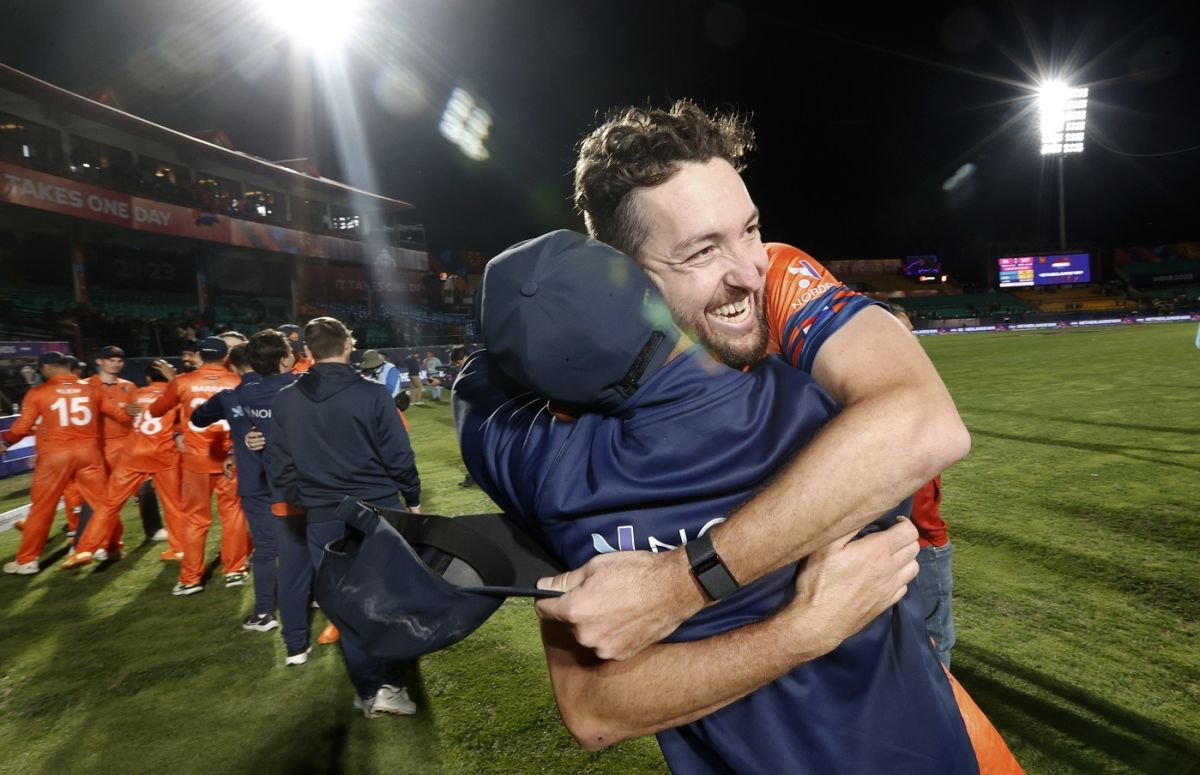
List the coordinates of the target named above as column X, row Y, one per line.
column 1063, row 112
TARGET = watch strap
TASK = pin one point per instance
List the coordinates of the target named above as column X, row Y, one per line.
column 709, row 569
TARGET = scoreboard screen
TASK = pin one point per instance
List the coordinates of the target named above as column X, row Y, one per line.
column 1058, row 269
column 1016, row 272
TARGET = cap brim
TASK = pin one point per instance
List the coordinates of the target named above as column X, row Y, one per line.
column 511, row 591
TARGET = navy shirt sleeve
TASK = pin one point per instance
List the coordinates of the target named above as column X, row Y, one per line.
column 281, row 467
column 212, row 410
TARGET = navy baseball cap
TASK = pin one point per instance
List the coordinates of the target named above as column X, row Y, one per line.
column 295, row 336
column 110, row 352
column 52, row 356
column 401, row 585
column 213, row 345
column 574, row 320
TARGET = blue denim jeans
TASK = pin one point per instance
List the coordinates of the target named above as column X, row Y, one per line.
column 936, row 584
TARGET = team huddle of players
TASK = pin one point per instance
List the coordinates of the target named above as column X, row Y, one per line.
column 103, row 439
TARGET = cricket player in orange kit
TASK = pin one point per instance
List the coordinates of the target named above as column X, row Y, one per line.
column 109, row 362
column 68, row 447
column 203, row 455
column 150, row 450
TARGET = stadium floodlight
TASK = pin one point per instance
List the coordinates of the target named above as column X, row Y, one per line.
column 1062, row 110
column 1063, row 113
column 466, row 123
column 320, row 26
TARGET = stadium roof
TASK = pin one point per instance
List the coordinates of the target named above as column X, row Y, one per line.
column 54, row 96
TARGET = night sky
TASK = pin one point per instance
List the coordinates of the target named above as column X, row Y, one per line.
column 861, row 114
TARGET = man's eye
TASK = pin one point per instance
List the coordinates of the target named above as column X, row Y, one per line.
column 704, row 252
column 754, row 229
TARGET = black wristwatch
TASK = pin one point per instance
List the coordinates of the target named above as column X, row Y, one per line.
column 709, row 569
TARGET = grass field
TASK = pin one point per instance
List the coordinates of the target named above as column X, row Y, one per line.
column 1077, row 563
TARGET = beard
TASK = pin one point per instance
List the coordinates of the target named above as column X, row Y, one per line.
column 737, row 352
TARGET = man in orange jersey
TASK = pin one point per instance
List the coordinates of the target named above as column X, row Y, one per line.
column 68, row 447
column 149, row 451
column 109, row 361
column 204, row 451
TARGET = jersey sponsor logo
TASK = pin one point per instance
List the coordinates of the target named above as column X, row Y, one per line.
column 805, row 268
column 811, row 294
column 627, row 539
column 236, row 413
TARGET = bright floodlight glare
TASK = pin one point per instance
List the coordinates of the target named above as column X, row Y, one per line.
column 466, row 124
column 1063, row 111
column 320, row 26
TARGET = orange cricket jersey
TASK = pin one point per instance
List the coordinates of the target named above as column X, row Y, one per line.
column 302, row 365
column 151, row 445
column 121, row 393
column 69, row 411
column 203, row 448
column 804, row 304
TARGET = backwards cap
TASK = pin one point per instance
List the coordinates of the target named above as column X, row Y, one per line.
column 574, row 320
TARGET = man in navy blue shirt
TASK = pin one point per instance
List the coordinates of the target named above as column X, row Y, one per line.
column 269, row 359
column 337, row 435
column 756, row 681
column 663, row 187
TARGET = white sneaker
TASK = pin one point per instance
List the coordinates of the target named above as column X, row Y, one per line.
column 388, row 701
column 159, row 535
column 22, row 568
column 299, row 658
column 100, row 555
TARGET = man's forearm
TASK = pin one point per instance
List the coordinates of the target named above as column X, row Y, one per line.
column 846, row 477
column 842, row 587
column 667, row 684
column 898, row 429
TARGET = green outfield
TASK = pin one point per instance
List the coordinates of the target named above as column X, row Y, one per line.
column 1077, row 571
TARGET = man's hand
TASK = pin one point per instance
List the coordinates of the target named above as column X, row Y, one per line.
column 600, row 603
column 179, row 445
column 229, row 466
column 845, row 585
column 413, row 509
column 134, row 410
column 165, row 369
column 255, row 441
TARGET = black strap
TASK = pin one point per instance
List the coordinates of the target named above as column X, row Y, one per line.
column 632, row 378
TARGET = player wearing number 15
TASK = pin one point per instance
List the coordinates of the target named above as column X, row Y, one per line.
column 204, row 451
column 68, row 447
column 149, row 451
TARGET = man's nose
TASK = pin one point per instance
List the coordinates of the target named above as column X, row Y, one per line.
column 745, row 270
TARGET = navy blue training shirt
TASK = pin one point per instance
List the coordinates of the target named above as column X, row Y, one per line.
column 694, row 443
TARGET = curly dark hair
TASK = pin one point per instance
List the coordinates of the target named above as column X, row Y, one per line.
column 640, row 147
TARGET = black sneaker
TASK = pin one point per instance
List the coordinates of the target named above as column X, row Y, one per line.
column 235, row 579
column 260, row 622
